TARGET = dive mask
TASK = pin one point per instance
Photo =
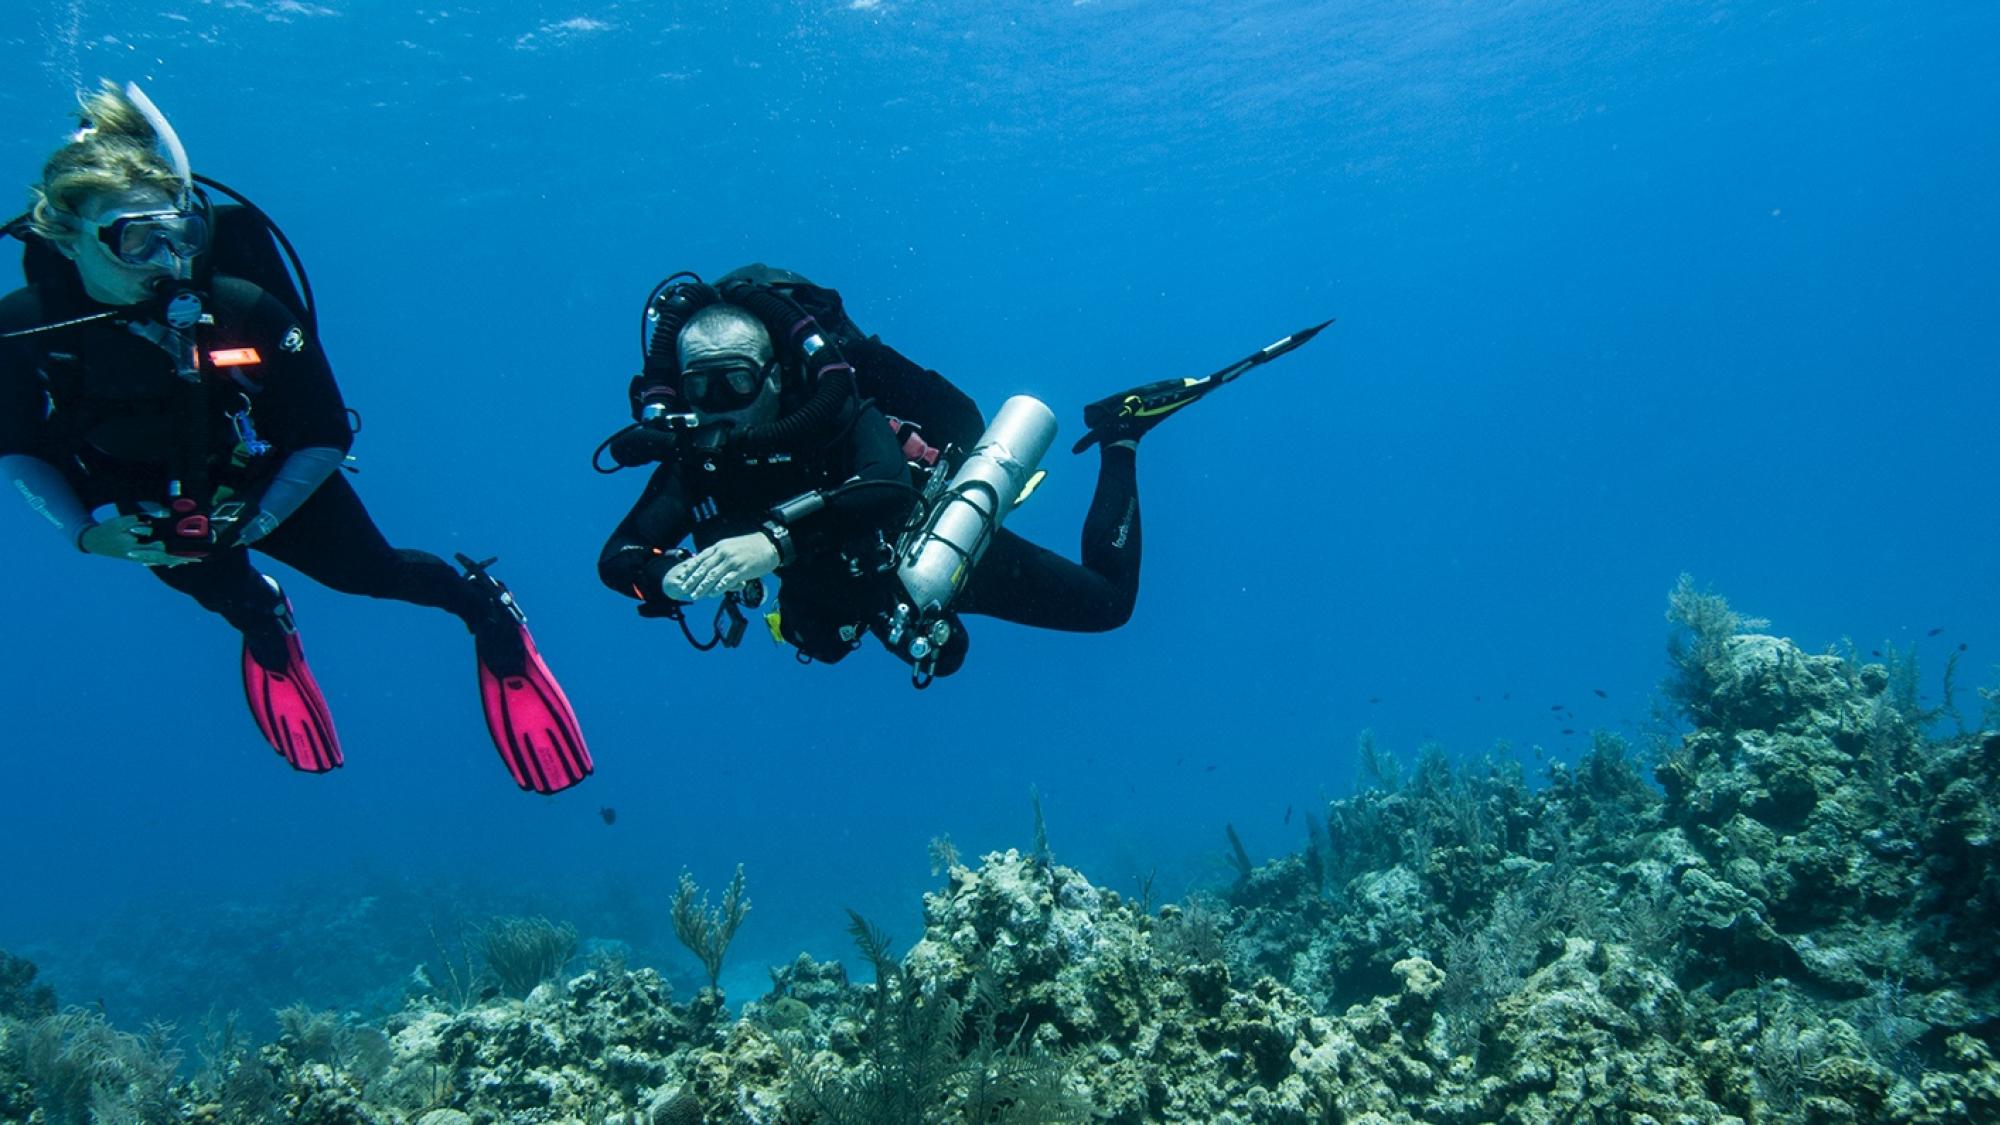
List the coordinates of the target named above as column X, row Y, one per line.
column 724, row 385
column 154, row 238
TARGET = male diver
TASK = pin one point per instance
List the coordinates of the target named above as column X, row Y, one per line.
column 163, row 364
column 789, row 443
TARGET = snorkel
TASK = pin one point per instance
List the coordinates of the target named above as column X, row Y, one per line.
column 177, row 157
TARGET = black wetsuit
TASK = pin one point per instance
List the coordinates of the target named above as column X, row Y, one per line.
column 104, row 407
column 833, row 582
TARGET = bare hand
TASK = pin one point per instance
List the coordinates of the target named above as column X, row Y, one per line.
column 129, row 538
column 723, row 567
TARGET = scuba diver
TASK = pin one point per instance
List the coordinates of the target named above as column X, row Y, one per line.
column 164, row 400
column 787, row 442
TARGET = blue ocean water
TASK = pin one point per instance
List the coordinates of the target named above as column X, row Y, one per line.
column 1625, row 290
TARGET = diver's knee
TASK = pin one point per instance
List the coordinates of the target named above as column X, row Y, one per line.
column 1112, row 615
column 617, row 580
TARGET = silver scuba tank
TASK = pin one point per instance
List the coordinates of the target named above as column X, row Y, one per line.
column 936, row 563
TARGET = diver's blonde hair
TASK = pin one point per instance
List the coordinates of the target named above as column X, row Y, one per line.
column 115, row 150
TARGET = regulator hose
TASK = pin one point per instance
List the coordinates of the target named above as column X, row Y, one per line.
column 823, row 368
column 669, row 307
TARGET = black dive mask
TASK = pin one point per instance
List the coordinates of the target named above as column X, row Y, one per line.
column 155, row 238
column 723, row 386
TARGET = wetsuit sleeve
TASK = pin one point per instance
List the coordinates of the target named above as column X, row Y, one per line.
column 290, row 486
column 297, row 479
column 298, row 404
column 636, row 557
column 873, row 495
column 23, row 418
column 23, row 404
column 877, row 457
column 48, row 492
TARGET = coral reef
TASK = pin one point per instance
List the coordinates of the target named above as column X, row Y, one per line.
column 20, row 997
column 523, row 952
column 1790, row 925
column 706, row 931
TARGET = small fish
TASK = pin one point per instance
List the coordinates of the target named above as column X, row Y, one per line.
column 1209, row 768
column 1478, row 699
column 609, row 814
column 1874, row 652
column 1599, row 693
column 1374, row 699
column 1556, row 707
column 1569, row 730
column 1178, row 761
column 1288, row 814
column 1935, row 632
column 1506, row 695
column 1961, row 646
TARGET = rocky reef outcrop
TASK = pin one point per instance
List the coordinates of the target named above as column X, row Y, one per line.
column 1792, row 920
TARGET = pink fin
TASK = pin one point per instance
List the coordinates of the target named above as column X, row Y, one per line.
column 290, row 711
column 533, row 726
